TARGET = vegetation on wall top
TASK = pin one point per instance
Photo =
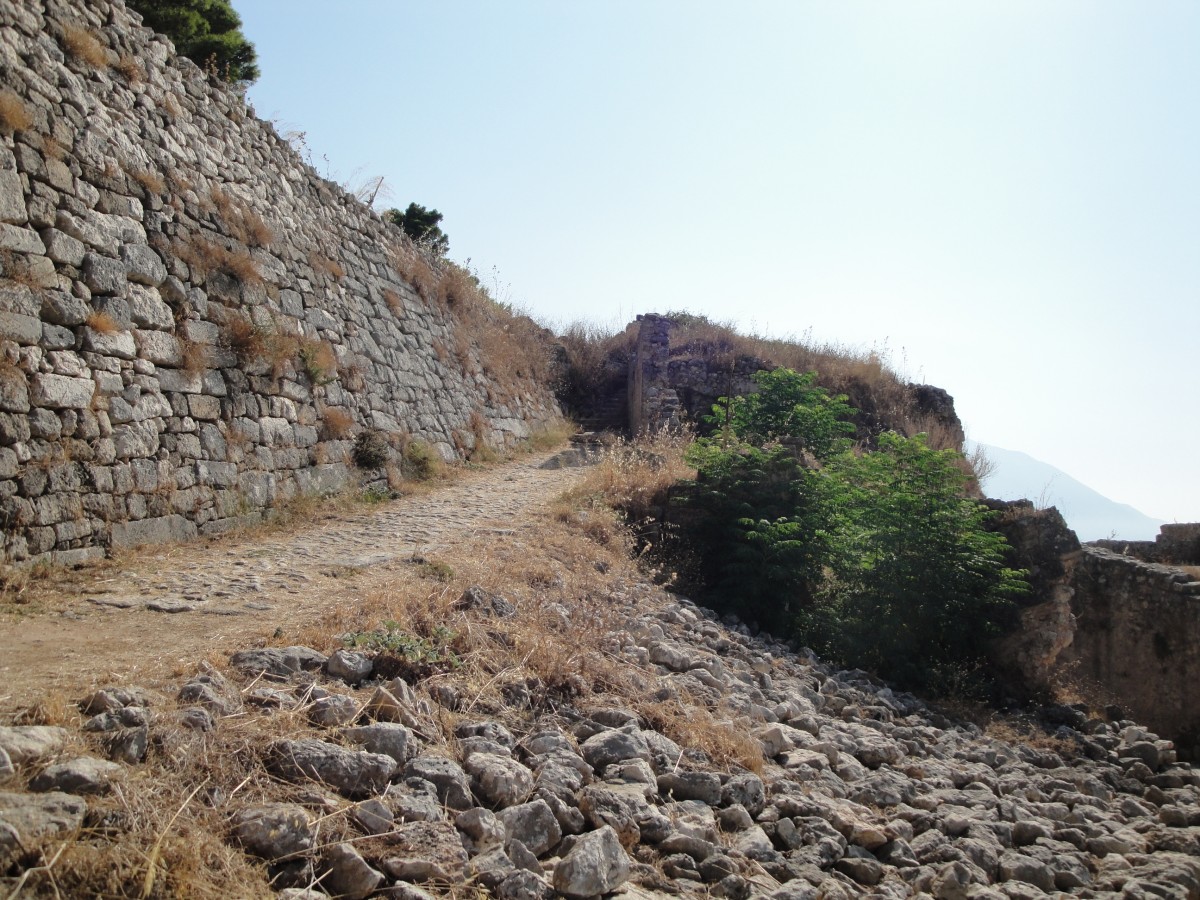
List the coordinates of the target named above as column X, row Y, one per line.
column 208, row 32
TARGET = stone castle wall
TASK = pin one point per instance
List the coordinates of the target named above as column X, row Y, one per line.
column 1137, row 635
column 193, row 325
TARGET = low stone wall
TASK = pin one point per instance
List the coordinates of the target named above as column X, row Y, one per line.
column 1137, row 636
column 194, row 325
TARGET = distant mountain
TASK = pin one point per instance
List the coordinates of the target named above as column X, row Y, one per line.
column 1090, row 514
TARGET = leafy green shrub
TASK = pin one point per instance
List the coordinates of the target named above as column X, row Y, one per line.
column 421, row 461
column 753, row 523
column 788, row 407
column 422, row 225
column 371, row 450
column 918, row 585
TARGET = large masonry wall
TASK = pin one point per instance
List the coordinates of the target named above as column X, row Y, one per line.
column 194, row 326
column 1136, row 635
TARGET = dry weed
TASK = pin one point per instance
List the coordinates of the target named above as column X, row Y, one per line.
column 203, row 257
column 85, row 45
column 242, row 223
column 635, row 477
column 322, row 264
column 151, row 181
column 15, row 269
column 102, row 323
column 196, row 357
column 337, row 423
column 129, row 67
column 52, row 148
column 14, row 114
column 394, row 301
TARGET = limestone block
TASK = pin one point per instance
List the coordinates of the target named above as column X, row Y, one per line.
column 204, row 407
column 12, row 199
column 61, row 392
column 20, row 240
column 152, row 531
column 62, row 248
column 60, row 308
column 119, row 344
column 103, row 275
column 159, row 347
column 147, row 309
column 23, row 329
column 179, row 381
column 144, row 265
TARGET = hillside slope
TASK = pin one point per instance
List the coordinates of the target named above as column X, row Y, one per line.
column 1091, row 515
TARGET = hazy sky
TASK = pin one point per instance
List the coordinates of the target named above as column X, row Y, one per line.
column 1006, row 195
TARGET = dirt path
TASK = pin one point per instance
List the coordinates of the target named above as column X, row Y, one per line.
column 164, row 609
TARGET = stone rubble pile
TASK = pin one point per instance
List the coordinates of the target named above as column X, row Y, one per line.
column 859, row 790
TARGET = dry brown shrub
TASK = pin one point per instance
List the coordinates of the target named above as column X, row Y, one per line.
column 324, row 265
column 244, row 337
column 151, row 181
column 171, row 105
column 337, row 423
column 243, row 224
column 413, row 266
column 196, row 357
column 394, row 301
column 129, row 66
column 14, row 114
column 85, row 45
column 204, row 256
column 635, row 477
column 52, row 148
column 319, row 360
column 102, row 323
column 691, row 725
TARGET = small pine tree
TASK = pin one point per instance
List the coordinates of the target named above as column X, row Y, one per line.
column 422, row 225
column 208, row 32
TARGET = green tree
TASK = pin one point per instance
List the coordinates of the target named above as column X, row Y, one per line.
column 208, row 32
column 753, row 521
column 422, row 225
column 788, row 407
column 918, row 585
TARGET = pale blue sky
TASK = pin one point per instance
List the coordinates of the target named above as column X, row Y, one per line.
column 1005, row 194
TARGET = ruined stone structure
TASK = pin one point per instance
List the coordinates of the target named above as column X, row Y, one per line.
column 1137, row 636
column 193, row 325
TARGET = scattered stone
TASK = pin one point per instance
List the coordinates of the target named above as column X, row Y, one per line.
column 278, row 662
column 349, row 666
column 476, row 599
column 351, row 773
column 433, row 851
column 387, row 738
column 27, row 817
column 596, row 864
column 31, row 744
column 533, row 824
column 346, row 874
column 499, row 781
column 273, row 831
column 83, row 775
column 373, row 817
column 447, row 776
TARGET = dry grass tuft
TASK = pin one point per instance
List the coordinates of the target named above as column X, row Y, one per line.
column 196, row 357
column 242, row 223
column 319, row 360
column 102, row 323
column 322, row 264
column 337, row 423
column 85, row 45
column 15, row 269
column 244, row 338
column 14, row 114
column 151, row 181
column 204, row 257
column 635, row 477
column 692, row 726
column 171, row 105
column 394, row 301
column 129, row 67
column 52, row 148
